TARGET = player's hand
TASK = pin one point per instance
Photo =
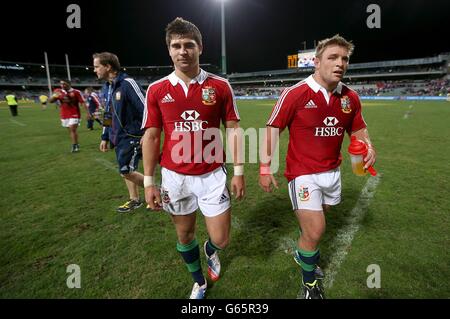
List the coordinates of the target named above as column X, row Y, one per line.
column 370, row 158
column 153, row 197
column 238, row 187
column 266, row 182
column 104, row 146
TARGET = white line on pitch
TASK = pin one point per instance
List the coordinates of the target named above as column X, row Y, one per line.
column 408, row 113
column 236, row 223
column 106, row 163
column 345, row 235
column 17, row 122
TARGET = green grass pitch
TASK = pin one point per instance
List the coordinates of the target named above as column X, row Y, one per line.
column 58, row 208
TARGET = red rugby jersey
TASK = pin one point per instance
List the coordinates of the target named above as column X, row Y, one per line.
column 187, row 116
column 317, row 124
column 70, row 101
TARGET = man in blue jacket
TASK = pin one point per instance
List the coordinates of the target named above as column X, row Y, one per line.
column 124, row 107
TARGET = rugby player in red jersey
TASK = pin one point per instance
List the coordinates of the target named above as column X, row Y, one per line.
column 189, row 105
column 70, row 100
column 318, row 111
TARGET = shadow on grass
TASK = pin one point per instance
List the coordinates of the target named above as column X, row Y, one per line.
column 269, row 220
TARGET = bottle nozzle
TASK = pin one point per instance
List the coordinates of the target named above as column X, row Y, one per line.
column 372, row 171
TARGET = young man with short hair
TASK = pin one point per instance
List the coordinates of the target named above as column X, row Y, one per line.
column 318, row 111
column 189, row 105
column 69, row 100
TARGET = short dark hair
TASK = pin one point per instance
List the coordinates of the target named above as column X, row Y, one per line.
column 183, row 28
column 65, row 81
column 106, row 58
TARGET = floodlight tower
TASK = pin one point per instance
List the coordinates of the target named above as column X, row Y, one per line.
column 224, row 57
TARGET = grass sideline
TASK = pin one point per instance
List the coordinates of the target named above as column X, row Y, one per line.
column 58, row 208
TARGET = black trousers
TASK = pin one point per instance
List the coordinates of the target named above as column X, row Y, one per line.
column 13, row 109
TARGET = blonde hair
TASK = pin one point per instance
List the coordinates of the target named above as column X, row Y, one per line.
column 335, row 40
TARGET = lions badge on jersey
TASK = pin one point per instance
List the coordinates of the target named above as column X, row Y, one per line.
column 208, row 95
column 303, row 193
column 345, row 104
column 118, row 96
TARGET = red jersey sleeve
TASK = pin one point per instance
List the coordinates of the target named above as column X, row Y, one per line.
column 229, row 109
column 284, row 110
column 152, row 114
column 358, row 120
column 80, row 97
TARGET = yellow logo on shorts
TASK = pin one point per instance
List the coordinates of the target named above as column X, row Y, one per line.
column 303, row 193
column 118, row 96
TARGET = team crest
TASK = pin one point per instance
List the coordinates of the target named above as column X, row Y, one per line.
column 345, row 104
column 208, row 96
column 165, row 196
column 303, row 193
column 118, row 96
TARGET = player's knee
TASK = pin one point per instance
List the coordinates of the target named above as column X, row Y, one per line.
column 313, row 236
column 222, row 242
column 186, row 237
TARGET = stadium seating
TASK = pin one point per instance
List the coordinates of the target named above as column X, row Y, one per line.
column 421, row 77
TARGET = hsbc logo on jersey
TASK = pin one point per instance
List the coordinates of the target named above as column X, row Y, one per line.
column 329, row 129
column 190, row 123
column 190, row 115
column 330, row 121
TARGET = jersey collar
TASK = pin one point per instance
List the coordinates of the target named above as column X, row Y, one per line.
column 316, row 86
column 200, row 78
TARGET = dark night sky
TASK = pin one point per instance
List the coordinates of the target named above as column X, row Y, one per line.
column 260, row 33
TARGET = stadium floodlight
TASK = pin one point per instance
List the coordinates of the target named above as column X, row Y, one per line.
column 222, row 18
column 47, row 69
column 68, row 68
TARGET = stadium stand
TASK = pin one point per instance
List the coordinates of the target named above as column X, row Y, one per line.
column 29, row 80
column 425, row 76
column 428, row 76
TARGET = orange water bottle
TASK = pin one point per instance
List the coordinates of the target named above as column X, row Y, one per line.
column 358, row 150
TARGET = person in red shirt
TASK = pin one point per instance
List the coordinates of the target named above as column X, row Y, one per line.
column 189, row 106
column 70, row 100
column 318, row 111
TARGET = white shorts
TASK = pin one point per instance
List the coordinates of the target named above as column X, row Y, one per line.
column 69, row 122
column 314, row 190
column 184, row 194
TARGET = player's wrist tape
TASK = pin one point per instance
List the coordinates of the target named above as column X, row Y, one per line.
column 264, row 170
column 149, row 181
column 238, row 170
